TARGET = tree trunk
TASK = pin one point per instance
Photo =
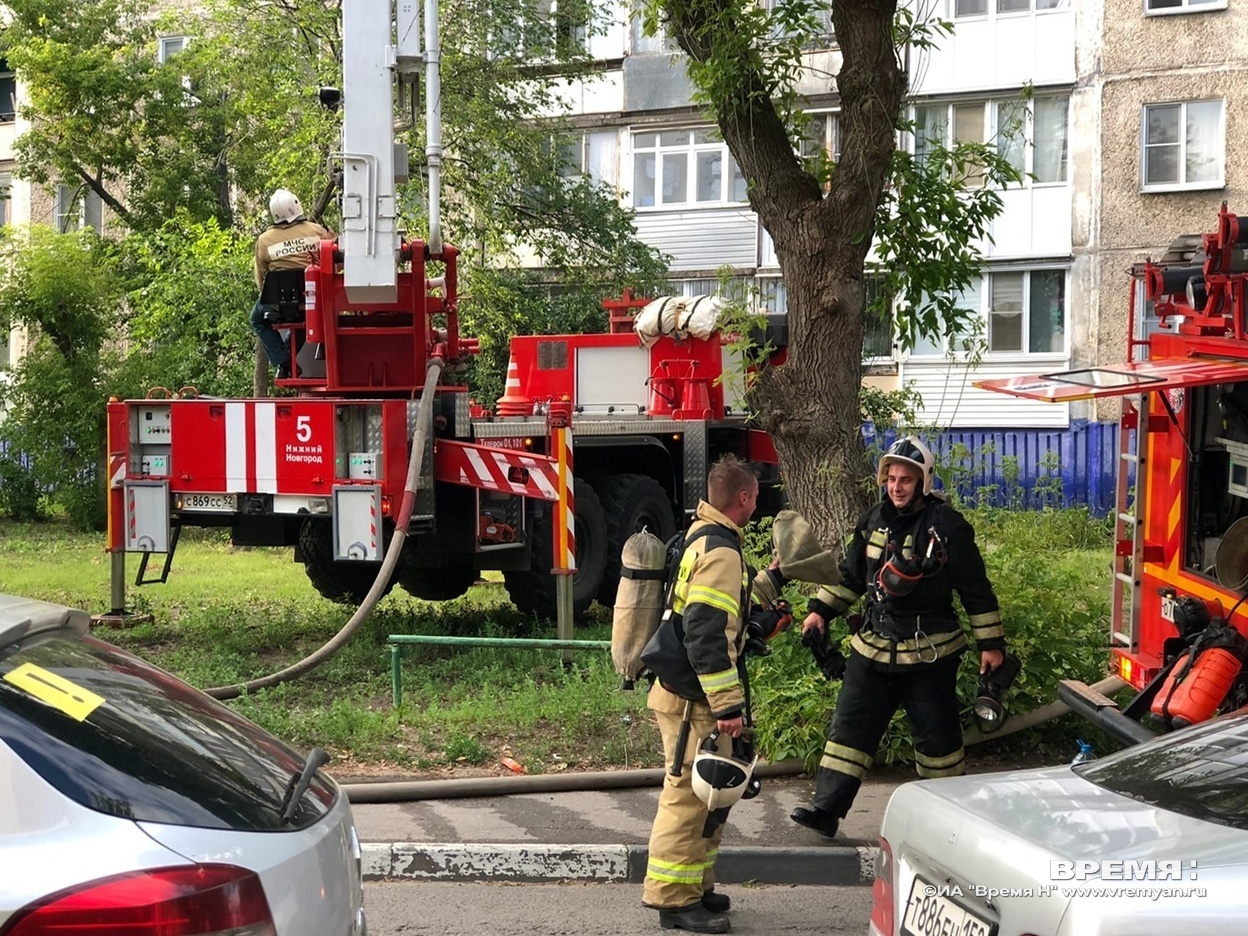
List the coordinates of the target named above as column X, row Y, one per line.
column 810, row 405
column 260, row 377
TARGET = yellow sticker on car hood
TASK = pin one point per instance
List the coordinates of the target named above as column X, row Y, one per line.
column 54, row 690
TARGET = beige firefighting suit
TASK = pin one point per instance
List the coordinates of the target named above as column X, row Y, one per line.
column 291, row 246
column 711, row 596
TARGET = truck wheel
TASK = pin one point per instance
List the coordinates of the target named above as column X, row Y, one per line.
column 631, row 502
column 533, row 591
column 441, row 583
column 344, row 582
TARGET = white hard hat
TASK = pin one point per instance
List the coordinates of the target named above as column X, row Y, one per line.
column 284, row 206
column 909, row 451
column 719, row 780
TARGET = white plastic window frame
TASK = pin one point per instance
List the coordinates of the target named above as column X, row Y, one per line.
column 1029, row 135
column 691, row 150
column 991, row 9
column 942, row 351
column 171, row 46
column 1026, row 315
column 1182, row 185
column 1185, row 6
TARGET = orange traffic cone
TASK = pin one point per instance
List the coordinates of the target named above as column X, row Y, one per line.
column 513, row 402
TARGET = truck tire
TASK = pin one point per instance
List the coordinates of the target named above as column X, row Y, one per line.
column 631, row 501
column 344, row 582
column 533, row 591
column 441, row 583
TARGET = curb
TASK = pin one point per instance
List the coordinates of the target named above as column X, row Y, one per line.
column 620, row 864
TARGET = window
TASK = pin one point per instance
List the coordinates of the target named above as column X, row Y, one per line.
column 8, row 93
column 593, row 153
column 821, row 142
column 1182, row 145
column 684, row 167
column 968, row 8
column 1027, row 312
column 819, row 17
column 77, row 207
column 170, row 46
column 877, row 339
column 1032, row 135
column 640, row 43
column 1160, row 7
column 1024, row 310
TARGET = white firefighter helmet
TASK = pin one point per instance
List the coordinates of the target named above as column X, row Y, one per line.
column 719, row 780
column 284, row 206
column 909, row 451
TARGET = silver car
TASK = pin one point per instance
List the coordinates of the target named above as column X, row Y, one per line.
column 1150, row 840
column 133, row 803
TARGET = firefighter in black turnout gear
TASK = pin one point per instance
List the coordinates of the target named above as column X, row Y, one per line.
column 908, row 555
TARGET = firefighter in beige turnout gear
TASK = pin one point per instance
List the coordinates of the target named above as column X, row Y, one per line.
column 289, row 243
column 908, row 555
column 710, row 605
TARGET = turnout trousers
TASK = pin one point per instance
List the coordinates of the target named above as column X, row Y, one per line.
column 869, row 696
column 681, row 864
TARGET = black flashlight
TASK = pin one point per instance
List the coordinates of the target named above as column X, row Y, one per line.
column 993, row 685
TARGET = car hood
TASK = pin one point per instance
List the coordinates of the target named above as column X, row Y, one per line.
column 1059, row 812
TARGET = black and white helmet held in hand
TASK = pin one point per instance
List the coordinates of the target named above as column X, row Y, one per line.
column 719, row 780
column 909, row 451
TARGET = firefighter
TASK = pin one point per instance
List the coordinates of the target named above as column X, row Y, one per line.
column 709, row 605
column 289, row 243
column 908, row 555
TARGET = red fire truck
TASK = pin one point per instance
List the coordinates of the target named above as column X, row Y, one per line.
column 1181, row 550
column 325, row 470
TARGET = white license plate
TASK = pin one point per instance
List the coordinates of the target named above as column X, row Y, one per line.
column 929, row 912
column 208, row 502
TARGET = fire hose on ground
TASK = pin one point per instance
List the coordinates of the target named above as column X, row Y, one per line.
column 424, row 424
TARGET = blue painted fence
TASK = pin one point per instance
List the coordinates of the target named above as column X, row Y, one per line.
column 1024, row 468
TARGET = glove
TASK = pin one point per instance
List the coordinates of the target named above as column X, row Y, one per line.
column 827, row 657
column 767, row 586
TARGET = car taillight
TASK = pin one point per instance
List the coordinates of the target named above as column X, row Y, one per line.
column 189, row 901
column 882, row 891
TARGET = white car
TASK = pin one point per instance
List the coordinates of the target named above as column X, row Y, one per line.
column 133, row 803
column 1149, row 841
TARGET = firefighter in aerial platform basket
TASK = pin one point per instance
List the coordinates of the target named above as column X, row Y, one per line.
column 908, row 555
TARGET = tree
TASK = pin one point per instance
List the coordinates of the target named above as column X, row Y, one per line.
column 204, row 137
column 62, row 289
column 745, row 61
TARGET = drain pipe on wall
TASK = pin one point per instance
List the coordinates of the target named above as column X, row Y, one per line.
column 402, row 791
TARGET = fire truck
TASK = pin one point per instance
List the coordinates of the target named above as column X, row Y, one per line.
column 598, row 427
column 1178, row 615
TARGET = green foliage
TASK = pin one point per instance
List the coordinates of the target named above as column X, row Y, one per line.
column 190, row 289
column 61, row 289
column 928, row 225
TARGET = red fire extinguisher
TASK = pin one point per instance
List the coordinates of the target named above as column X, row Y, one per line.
column 1201, row 677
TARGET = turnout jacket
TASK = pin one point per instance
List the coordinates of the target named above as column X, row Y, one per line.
column 923, row 625
column 710, row 601
column 289, row 246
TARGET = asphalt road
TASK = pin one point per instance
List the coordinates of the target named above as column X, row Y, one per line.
column 439, row 909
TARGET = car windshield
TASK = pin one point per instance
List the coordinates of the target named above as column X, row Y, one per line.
column 1200, row 772
column 122, row 737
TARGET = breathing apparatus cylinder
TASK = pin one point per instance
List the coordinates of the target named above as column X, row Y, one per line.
column 1192, row 693
column 638, row 603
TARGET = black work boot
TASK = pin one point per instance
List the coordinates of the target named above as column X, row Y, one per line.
column 813, row 818
column 716, row 902
column 695, row 918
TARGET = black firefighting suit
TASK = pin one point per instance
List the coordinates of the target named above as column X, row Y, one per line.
column 710, row 600
column 906, row 651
